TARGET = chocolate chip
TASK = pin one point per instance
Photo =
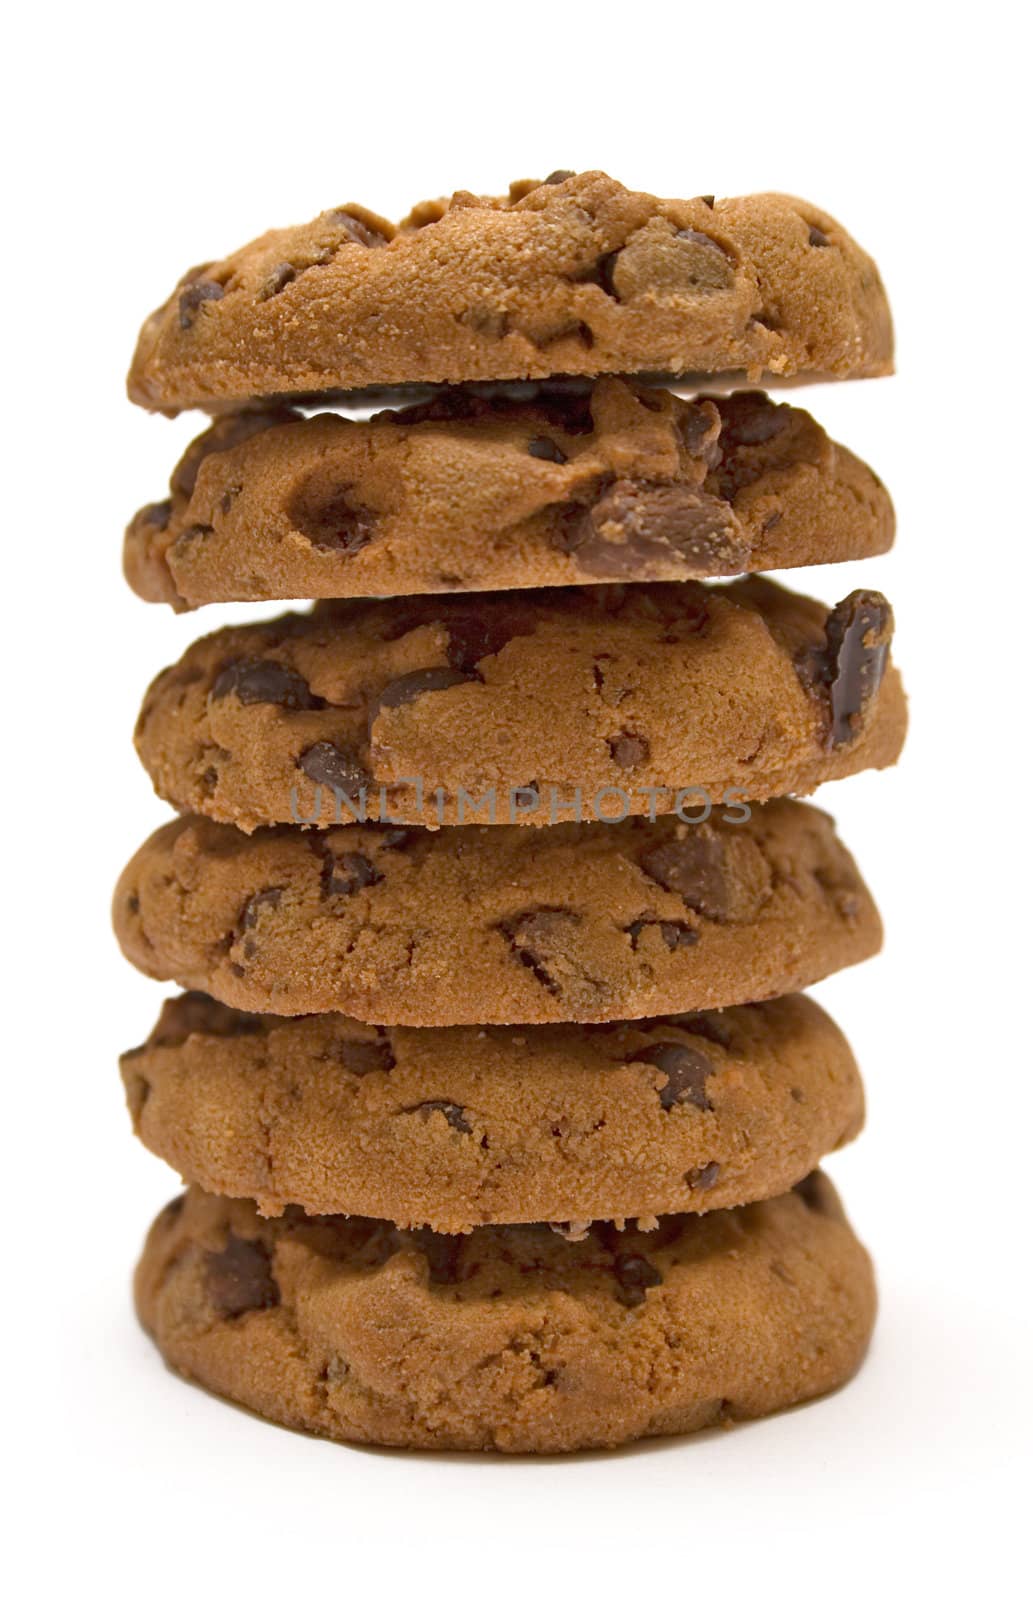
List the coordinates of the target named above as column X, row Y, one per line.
column 427, row 680
column 628, row 749
column 253, row 907
column 750, row 418
column 708, row 201
column 544, row 449
column 281, row 275
column 356, row 231
column 473, row 635
column 703, row 1177
column 634, row 1276
column 634, row 524
column 687, row 1073
column 692, row 867
column 257, row 682
column 347, row 873
column 818, row 239
column 538, row 940
column 699, row 425
column 339, row 769
column 361, row 1056
column 676, row 935
column 559, row 176
column 240, row 1277
column 454, row 1115
column 194, row 296
column 846, row 671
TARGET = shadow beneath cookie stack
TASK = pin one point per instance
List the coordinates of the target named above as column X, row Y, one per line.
column 496, row 1095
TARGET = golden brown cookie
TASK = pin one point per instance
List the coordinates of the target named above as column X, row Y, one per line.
column 618, row 483
column 575, row 923
column 557, row 703
column 511, row 1339
column 575, row 275
column 452, row 1128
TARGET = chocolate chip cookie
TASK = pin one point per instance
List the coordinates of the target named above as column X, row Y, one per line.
column 575, row 275
column 578, row 922
column 453, row 1128
column 621, row 482
column 575, row 703
column 512, row 1338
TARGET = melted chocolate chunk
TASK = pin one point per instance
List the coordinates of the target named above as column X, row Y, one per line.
column 193, row 298
column 427, row 680
column 258, row 682
column 633, row 524
column 240, row 1277
column 537, row 939
column 628, row 750
column 339, row 769
column 847, row 670
column 454, row 1115
column 687, row 1073
column 254, row 906
column 676, row 935
column 634, row 1276
column 704, row 1177
column 474, row 635
column 692, row 867
column 749, row 417
column 346, row 873
column 817, row 239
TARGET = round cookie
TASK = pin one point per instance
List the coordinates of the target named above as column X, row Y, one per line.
column 510, row 1339
column 567, row 488
column 574, row 923
column 453, row 1128
column 614, row 699
column 575, row 275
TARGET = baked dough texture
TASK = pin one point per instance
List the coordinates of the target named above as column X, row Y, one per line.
column 589, row 922
column 576, row 276
column 509, row 1339
column 453, row 1128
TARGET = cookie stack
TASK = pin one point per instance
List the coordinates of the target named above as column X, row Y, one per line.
column 499, row 1104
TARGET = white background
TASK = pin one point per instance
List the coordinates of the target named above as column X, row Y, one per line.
column 142, row 139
